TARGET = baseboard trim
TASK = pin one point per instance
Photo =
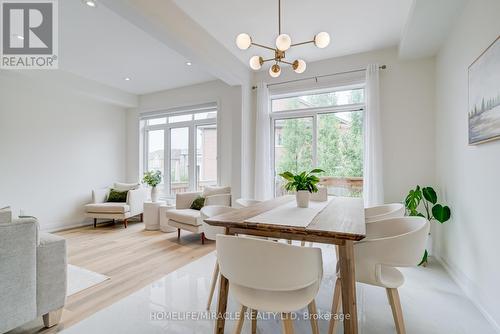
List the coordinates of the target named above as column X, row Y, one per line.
column 59, row 228
column 460, row 280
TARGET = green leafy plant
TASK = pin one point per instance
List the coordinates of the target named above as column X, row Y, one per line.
column 426, row 197
column 152, row 178
column 302, row 181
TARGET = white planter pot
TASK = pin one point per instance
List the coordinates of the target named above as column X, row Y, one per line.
column 155, row 194
column 302, row 197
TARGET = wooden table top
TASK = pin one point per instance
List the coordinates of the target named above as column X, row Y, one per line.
column 342, row 218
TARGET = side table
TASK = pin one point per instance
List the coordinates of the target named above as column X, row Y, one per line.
column 152, row 215
column 164, row 227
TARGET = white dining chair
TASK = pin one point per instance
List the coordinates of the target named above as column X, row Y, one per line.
column 210, row 233
column 271, row 277
column 390, row 243
column 245, row 202
column 386, row 211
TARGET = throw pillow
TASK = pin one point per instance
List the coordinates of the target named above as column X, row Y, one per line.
column 198, row 203
column 117, row 196
column 5, row 215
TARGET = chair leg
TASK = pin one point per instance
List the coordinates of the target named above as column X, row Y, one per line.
column 287, row 323
column 302, row 243
column 336, row 303
column 95, row 222
column 215, row 278
column 254, row 321
column 178, row 233
column 313, row 316
column 241, row 320
column 114, row 221
column 202, row 238
column 125, row 222
column 52, row 318
column 397, row 312
column 142, row 217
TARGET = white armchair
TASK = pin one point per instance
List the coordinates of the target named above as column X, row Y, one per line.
column 134, row 205
column 185, row 218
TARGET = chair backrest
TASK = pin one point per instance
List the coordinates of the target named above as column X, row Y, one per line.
column 396, row 242
column 268, row 265
column 245, row 202
column 386, row 211
column 211, row 211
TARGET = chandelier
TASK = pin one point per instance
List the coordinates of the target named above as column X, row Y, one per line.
column 283, row 43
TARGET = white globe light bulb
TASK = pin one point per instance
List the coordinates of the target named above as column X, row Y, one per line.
column 256, row 63
column 275, row 71
column 299, row 66
column 243, row 41
column 322, row 40
column 283, row 42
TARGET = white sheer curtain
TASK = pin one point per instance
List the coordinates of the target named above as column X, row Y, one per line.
column 263, row 173
column 373, row 183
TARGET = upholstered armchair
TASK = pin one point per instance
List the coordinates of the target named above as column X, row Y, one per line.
column 32, row 274
column 185, row 218
column 133, row 206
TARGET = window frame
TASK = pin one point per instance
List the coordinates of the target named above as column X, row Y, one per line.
column 192, row 144
column 304, row 113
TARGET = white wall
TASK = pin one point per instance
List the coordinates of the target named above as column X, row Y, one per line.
column 468, row 176
column 407, row 104
column 229, row 99
column 55, row 146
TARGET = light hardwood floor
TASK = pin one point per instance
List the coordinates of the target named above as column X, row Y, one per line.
column 131, row 257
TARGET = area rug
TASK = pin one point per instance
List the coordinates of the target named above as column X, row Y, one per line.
column 80, row 279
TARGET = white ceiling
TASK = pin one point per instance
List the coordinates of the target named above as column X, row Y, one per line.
column 354, row 25
column 100, row 45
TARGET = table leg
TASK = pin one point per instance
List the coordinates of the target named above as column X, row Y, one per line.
column 222, row 305
column 346, row 257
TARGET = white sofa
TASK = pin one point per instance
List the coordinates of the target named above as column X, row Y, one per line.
column 134, row 206
column 184, row 218
column 32, row 274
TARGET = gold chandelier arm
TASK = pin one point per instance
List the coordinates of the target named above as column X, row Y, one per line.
column 286, row 62
column 263, row 46
column 270, row 59
column 302, row 43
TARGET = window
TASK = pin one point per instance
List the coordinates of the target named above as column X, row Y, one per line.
column 322, row 130
column 183, row 146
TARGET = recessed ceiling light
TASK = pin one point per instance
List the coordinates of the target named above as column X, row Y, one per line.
column 188, row 63
column 127, row 79
column 90, row 3
column 18, row 36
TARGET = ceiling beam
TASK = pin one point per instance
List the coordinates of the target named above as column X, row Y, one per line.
column 166, row 22
column 429, row 23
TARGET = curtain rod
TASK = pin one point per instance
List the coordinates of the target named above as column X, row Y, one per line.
column 383, row 67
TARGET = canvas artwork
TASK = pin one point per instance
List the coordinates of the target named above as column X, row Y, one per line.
column 484, row 96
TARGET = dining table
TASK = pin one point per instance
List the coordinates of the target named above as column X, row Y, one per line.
column 337, row 220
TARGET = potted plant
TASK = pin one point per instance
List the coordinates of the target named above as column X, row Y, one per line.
column 303, row 183
column 152, row 179
column 433, row 210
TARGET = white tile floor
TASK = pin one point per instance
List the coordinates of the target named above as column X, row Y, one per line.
column 432, row 303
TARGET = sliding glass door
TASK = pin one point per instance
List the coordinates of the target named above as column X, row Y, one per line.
column 322, row 130
column 156, row 153
column 179, row 160
column 293, row 149
column 183, row 147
